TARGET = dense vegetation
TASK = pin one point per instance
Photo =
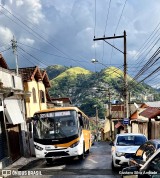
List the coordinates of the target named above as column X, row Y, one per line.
column 89, row 90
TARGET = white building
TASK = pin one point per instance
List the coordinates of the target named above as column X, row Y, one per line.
column 13, row 130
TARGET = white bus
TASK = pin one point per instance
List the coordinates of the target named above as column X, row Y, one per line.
column 61, row 132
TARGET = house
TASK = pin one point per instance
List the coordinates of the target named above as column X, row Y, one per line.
column 114, row 120
column 145, row 119
column 61, row 101
column 36, row 84
column 13, row 130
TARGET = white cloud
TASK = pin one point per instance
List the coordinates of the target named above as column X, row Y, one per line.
column 5, row 34
column 27, row 41
column 131, row 54
column 19, row 2
column 95, row 45
column 34, row 11
column 70, row 26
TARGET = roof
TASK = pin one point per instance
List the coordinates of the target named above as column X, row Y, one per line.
column 157, row 141
column 65, row 100
column 30, row 73
column 118, row 125
column 3, row 63
column 126, row 134
column 152, row 104
column 150, row 112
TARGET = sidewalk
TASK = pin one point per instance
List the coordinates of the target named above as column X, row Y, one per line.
column 20, row 165
column 22, row 162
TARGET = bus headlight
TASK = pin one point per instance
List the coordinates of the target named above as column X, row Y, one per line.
column 74, row 144
column 38, row 147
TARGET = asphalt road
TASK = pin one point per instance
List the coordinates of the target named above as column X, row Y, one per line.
column 96, row 164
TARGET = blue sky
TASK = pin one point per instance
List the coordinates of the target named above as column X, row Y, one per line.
column 61, row 32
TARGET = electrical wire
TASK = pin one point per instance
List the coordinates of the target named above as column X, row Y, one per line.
column 40, row 36
column 107, row 17
column 120, row 17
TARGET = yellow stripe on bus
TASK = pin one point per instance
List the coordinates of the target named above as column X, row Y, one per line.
column 69, row 143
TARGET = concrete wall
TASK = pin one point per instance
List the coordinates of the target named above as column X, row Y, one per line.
column 7, row 77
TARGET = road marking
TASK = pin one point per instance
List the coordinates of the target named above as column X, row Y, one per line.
column 56, row 167
column 94, row 147
column 93, row 161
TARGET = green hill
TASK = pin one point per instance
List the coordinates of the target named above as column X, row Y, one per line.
column 55, row 70
column 67, row 82
column 79, row 84
column 72, row 73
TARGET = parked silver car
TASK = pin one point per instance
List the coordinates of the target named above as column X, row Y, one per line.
column 124, row 147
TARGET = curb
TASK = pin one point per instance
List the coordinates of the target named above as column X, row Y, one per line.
column 30, row 165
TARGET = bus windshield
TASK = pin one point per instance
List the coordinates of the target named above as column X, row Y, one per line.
column 55, row 125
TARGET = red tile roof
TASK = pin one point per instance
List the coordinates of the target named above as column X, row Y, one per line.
column 118, row 125
column 151, row 112
column 30, row 73
column 3, row 63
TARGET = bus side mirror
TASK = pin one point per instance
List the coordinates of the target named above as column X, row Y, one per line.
column 81, row 122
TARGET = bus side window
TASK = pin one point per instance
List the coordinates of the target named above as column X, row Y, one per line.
column 81, row 120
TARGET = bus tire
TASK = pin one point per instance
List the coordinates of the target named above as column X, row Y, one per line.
column 49, row 160
column 82, row 156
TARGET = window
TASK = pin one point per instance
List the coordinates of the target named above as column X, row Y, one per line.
column 13, row 82
column 34, row 95
column 42, row 96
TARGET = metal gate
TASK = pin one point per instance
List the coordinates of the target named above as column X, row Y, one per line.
column 14, row 142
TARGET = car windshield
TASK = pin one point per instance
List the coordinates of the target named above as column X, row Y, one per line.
column 130, row 140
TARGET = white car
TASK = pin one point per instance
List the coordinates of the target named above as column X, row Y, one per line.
column 124, row 147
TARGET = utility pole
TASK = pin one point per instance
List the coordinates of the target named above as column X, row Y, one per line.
column 110, row 116
column 97, row 122
column 14, row 48
column 125, row 67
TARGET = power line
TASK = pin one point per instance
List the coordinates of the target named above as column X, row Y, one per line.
column 50, row 53
column 34, row 64
column 34, row 57
column 120, row 17
column 107, row 17
column 148, row 65
column 41, row 37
